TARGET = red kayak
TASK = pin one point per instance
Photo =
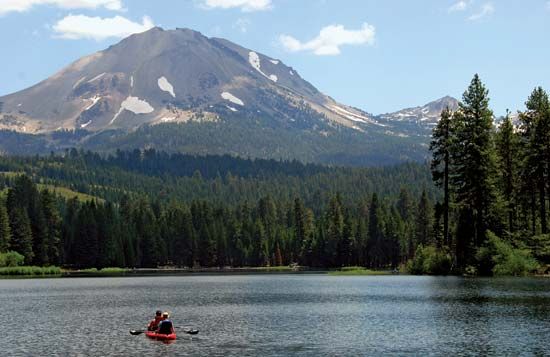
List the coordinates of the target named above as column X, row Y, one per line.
column 159, row 336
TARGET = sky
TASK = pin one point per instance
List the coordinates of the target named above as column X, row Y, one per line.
column 380, row 56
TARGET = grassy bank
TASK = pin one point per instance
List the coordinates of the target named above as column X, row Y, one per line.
column 30, row 271
column 96, row 272
column 359, row 271
column 277, row 268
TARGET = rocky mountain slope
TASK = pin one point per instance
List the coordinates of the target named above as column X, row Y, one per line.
column 178, row 90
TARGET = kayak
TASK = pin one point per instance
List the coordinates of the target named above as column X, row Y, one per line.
column 159, row 336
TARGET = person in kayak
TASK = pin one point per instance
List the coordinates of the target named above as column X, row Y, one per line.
column 165, row 327
column 154, row 324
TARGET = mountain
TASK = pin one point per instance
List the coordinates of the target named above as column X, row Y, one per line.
column 178, row 90
column 418, row 120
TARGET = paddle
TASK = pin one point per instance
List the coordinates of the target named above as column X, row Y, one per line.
column 183, row 329
column 188, row 330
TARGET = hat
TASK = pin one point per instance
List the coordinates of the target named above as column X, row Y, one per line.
column 165, row 314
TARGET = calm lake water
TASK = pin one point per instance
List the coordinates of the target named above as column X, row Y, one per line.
column 278, row 315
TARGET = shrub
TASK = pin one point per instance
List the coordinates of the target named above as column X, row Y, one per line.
column 501, row 258
column 11, row 259
column 429, row 260
column 539, row 245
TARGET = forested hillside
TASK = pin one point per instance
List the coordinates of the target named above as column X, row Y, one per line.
column 483, row 208
column 152, row 208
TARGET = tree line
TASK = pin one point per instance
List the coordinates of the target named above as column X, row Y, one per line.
column 495, row 180
column 48, row 229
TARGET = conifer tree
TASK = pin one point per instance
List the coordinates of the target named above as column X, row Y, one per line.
column 334, row 231
column 536, row 140
column 375, row 251
column 405, row 205
column 474, row 161
column 508, row 147
column 21, row 233
column 5, row 232
column 346, row 243
column 52, row 229
column 440, row 147
column 392, row 233
column 86, row 247
column 423, row 221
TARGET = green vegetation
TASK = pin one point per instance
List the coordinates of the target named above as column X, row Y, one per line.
column 276, row 268
column 429, row 260
column 68, row 193
column 493, row 181
column 102, row 271
column 262, row 214
column 11, row 263
column 30, row 270
column 11, row 259
column 500, row 258
column 355, row 270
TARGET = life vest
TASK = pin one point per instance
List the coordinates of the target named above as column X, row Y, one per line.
column 154, row 324
column 165, row 327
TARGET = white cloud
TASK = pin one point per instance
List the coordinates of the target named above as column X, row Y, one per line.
column 7, row 6
column 242, row 24
column 459, row 6
column 330, row 39
column 486, row 10
column 244, row 5
column 74, row 27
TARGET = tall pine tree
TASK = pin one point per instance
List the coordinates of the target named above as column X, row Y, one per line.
column 21, row 233
column 474, row 162
column 5, row 232
column 535, row 131
column 507, row 144
column 440, row 147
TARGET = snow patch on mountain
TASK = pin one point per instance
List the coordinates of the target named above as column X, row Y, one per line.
column 86, row 124
column 348, row 114
column 166, row 86
column 132, row 81
column 230, row 97
column 274, row 61
column 392, row 133
column 96, row 77
column 94, row 100
column 231, row 108
column 135, row 105
column 254, row 61
column 291, row 73
column 78, row 82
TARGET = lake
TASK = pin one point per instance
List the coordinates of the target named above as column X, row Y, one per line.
column 277, row 315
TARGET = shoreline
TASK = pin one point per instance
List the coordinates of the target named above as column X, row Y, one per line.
column 172, row 271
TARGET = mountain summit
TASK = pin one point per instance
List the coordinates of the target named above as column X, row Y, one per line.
column 178, row 90
column 167, row 76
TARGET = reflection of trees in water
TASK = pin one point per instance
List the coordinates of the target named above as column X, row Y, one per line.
column 490, row 316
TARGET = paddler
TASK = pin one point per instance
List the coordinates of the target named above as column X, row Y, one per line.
column 165, row 327
column 154, row 324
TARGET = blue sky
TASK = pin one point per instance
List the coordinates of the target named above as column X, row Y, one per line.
column 380, row 56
